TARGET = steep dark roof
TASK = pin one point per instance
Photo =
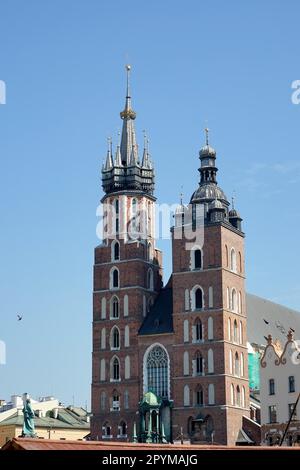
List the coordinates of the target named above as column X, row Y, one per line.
column 159, row 319
column 265, row 317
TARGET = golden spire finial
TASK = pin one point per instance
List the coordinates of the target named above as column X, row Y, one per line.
column 128, row 113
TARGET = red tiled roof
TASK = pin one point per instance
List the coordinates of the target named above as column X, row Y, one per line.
column 48, row 444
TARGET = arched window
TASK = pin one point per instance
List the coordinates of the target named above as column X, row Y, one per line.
column 233, row 300
column 199, row 362
column 116, row 215
column 235, row 331
column 240, row 303
column 149, row 251
column 232, row 394
column 126, row 305
column 115, row 251
column 199, row 401
column 210, row 361
column 126, row 399
column 103, row 308
column 117, row 206
column 186, row 331
column 156, row 371
column 243, row 397
column 228, row 298
column 102, row 370
column 210, row 328
column 226, row 256
column 229, row 329
column 198, row 330
column 186, row 396
column 211, row 297
column 115, row 338
column 115, row 368
column 186, row 363
column 103, row 338
column 103, row 401
column 196, row 258
column 148, row 220
column 241, row 333
column 236, row 365
column 127, row 367
column 240, row 262
column 150, row 279
column 114, row 278
column 123, row 429
column 198, row 298
column 242, row 365
column 114, row 307
column 186, row 300
column 238, row 396
column 233, row 260
column 126, row 336
column 230, row 362
column 211, row 394
column 106, row 430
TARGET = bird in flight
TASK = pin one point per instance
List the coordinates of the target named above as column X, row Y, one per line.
column 19, row 317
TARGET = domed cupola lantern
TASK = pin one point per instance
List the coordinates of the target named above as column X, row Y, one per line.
column 208, row 190
column 234, row 217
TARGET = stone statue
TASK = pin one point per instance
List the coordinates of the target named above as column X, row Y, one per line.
column 28, row 426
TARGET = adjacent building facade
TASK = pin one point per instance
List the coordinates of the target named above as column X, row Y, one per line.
column 279, row 392
column 171, row 361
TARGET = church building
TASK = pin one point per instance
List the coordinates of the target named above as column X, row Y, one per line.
column 169, row 362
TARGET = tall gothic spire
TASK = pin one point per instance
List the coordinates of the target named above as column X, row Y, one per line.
column 124, row 172
column 128, row 140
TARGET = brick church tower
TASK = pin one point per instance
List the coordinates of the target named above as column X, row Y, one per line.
column 127, row 278
column 168, row 362
column 210, row 371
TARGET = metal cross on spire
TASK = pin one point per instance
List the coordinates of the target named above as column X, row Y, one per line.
column 206, row 135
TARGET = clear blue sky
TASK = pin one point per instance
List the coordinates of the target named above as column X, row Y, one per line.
column 229, row 63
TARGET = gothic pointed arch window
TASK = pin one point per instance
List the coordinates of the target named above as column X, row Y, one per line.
column 199, row 397
column 235, row 332
column 226, row 256
column 232, row 394
column 115, row 338
column 122, row 429
column 117, row 215
column 234, row 300
column 115, row 251
column 114, row 278
column 236, row 365
column 199, row 363
column 197, row 298
column 149, row 251
column 199, row 330
column 233, row 260
column 150, row 284
column 103, row 400
column 115, row 369
column 114, row 307
column 211, row 394
column 238, row 396
column 156, row 371
column 196, row 258
column 106, row 430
